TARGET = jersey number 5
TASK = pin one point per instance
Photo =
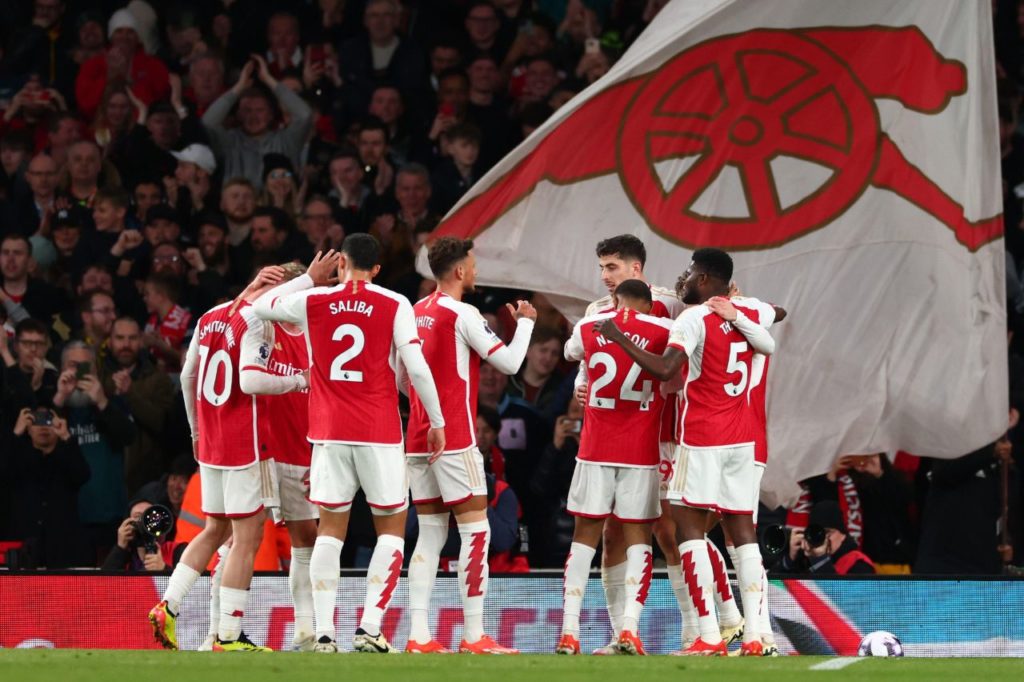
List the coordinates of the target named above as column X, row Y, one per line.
column 338, row 371
column 736, row 365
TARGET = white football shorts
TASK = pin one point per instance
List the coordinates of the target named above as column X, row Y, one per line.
column 338, row 470
column 452, row 479
column 720, row 479
column 629, row 494
column 231, row 493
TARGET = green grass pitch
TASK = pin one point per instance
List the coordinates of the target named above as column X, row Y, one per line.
column 88, row 665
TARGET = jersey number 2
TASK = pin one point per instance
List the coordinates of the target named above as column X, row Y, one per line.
column 338, row 371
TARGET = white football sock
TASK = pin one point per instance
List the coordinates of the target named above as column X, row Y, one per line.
column 423, row 572
column 577, row 571
column 215, row 580
column 614, row 580
column 699, row 581
column 381, row 580
column 302, row 592
column 474, row 573
column 764, row 615
column 324, row 569
column 181, row 581
column 232, row 610
column 689, row 614
column 749, row 572
column 639, row 565
column 728, row 612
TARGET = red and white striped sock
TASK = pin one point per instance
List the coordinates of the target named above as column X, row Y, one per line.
column 381, row 581
column 474, row 573
column 639, row 566
column 699, row 581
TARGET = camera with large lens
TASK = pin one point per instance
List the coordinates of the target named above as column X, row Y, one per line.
column 156, row 522
column 815, row 535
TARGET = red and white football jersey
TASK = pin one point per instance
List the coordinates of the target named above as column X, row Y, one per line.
column 622, row 417
column 283, row 420
column 226, row 417
column 714, row 406
column 758, row 403
column 455, row 336
column 173, row 329
column 664, row 303
column 353, row 331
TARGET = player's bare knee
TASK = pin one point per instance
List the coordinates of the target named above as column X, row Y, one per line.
column 636, row 534
column 740, row 528
column 389, row 522
column 302, row 533
column 472, row 510
column 587, row 531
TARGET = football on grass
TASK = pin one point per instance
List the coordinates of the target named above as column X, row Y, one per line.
column 880, row 643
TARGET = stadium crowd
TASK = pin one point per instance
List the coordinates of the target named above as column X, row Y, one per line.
column 154, row 156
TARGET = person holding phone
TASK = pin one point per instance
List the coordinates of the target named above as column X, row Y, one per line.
column 45, row 469
column 102, row 428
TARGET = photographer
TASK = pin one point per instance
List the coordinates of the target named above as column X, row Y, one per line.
column 137, row 549
column 45, row 469
column 824, row 547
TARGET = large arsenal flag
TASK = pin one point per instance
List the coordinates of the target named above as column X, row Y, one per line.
column 846, row 154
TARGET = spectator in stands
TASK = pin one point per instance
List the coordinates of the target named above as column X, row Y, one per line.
column 961, row 515
column 42, row 462
column 29, row 380
column 149, row 396
column 169, row 489
column 521, row 438
column 380, row 55
column 271, row 228
column 15, row 153
column 103, row 428
column 111, row 242
column 146, row 192
column 191, row 190
column 114, row 117
column 205, row 81
column 316, row 222
column 836, row 552
column 22, row 295
column 86, row 173
column 280, row 186
column 96, row 312
column 63, row 131
column 483, row 30
column 539, row 382
column 445, row 55
column 402, row 232
column 125, row 60
column 378, row 168
column 42, row 47
column 457, row 171
column 549, row 484
column 211, row 266
column 488, row 109
column 237, row 202
column 169, row 325
column 32, row 106
column 283, row 51
column 387, row 105
column 34, row 210
column 244, row 147
column 541, row 77
column 353, row 199
column 452, row 105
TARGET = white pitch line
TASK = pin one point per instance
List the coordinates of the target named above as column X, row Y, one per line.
column 836, row 663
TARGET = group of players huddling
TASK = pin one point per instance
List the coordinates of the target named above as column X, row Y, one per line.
column 673, row 440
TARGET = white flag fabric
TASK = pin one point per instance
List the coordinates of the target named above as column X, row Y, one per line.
column 846, row 154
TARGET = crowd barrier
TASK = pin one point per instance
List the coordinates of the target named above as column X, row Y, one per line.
column 824, row 616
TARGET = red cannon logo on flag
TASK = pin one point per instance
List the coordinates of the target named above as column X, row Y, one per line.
column 738, row 104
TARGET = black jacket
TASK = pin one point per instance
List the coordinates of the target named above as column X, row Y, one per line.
column 44, row 500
